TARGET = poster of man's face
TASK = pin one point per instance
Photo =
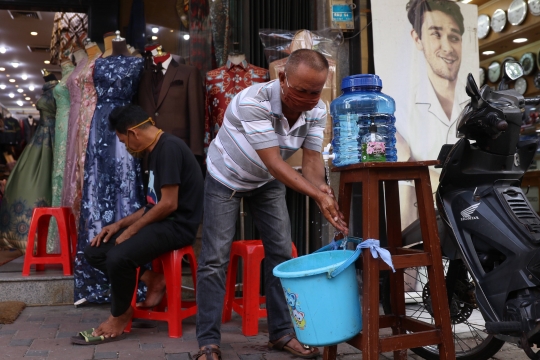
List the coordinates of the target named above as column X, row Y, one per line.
column 423, row 51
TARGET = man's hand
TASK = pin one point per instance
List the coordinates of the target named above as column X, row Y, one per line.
column 105, row 235
column 330, row 209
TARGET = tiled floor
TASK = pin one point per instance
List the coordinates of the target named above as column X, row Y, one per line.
column 44, row 333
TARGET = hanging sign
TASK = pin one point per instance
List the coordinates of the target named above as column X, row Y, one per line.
column 341, row 12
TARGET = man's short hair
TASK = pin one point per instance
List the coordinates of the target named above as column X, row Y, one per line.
column 124, row 117
column 310, row 58
column 417, row 8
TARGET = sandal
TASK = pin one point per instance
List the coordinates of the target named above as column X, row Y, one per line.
column 86, row 338
column 208, row 350
column 281, row 345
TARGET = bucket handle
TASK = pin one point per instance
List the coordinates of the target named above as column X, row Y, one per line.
column 375, row 249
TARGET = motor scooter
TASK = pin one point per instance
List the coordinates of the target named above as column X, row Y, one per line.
column 489, row 232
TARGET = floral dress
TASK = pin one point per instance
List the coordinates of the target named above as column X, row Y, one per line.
column 113, row 186
column 61, row 96
column 29, row 184
column 74, row 86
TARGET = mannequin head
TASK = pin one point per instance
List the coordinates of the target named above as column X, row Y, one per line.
column 119, row 46
column 236, row 56
column 47, row 76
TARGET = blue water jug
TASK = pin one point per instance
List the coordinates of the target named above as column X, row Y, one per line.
column 360, row 103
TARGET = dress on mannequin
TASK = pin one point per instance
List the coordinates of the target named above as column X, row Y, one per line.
column 66, row 27
column 112, row 178
column 29, row 184
column 88, row 106
column 222, row 84
column 74, row 87
column 61, row 96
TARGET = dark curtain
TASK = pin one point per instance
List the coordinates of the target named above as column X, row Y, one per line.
column 248, row 16
column 136, row 32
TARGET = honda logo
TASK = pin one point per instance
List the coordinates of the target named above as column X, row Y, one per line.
column 467, row 213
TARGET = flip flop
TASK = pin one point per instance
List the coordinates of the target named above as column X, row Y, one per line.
column 281, row 345
column 86, row 338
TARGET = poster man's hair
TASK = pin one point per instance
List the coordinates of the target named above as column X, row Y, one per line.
column 417, row 8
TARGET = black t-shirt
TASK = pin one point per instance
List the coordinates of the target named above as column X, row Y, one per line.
column 171, row 162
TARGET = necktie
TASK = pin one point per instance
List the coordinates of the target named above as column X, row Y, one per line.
column 157, row 80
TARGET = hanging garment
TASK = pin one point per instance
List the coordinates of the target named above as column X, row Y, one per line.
column 179, row 109
column 201, row 51
column 29, row 129
column 29, row 184
column 221, row 86
column 73, row 84
column 61, row 96
column 112, row 178
column 88, row 101
column 67, row 27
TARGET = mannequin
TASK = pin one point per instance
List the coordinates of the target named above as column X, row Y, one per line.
column 221, row 86
column 175, row 102
column 91, row 48
column 235, row 56
column 119, row 46
column 47, row 76
column 107, row 40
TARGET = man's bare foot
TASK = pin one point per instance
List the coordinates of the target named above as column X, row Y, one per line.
column 155, row 282
column 204, row 357
column 114, row 326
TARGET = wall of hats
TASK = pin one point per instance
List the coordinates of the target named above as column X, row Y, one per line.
column 510, row 30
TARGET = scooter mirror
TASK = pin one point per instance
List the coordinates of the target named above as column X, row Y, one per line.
column 472, row 90
column 513, row 70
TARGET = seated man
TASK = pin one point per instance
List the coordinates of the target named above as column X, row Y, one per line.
column 169, row 221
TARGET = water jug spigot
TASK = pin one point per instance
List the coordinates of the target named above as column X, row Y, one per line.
column 326, row 153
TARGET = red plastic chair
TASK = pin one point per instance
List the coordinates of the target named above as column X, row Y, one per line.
column 247, row 306
column 171, row 309
column 68, row 239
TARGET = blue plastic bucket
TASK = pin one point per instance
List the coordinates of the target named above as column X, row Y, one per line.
column 324, row 306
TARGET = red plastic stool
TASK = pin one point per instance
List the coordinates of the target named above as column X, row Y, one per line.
column 170, row 264
column 66, row 231
column 248, row 306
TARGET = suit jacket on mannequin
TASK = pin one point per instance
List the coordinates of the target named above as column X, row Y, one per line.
column 180, row 106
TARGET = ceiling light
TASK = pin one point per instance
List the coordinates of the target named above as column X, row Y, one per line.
column 47, row 62
column 172, row 30
column 488, row 52
column 27, row 98
column 2, row 69
column 20, row 90
column 186, row 37
column 154, row 37
column 31, row 88
column 33, row 33
column 155, row 30
column 16, row 85
column 11, row 80
column 520, row 40
column 20, row 103
column 24, row 77
column 24, row 94
column 3, row 50
column 34, row 105
column 11, row 95
column 2, row 86
column 15, row 64
column 466, row 1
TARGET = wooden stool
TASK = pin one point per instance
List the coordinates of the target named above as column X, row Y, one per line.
column 406, row 332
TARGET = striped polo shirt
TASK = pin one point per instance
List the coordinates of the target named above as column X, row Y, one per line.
column 254, row 121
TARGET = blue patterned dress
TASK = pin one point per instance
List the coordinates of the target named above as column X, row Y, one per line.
column 113, row 186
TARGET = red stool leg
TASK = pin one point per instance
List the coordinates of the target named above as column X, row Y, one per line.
column 65, row 254
column 42, row 232
column 251, row 293
column 172, row 264
column 230, row 287
column 72, row 235
column 30, row 243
